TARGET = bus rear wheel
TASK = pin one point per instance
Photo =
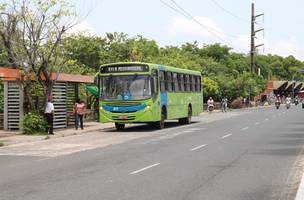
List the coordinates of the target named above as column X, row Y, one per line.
column 186, row 120
column 161, row 124
column 119, row 126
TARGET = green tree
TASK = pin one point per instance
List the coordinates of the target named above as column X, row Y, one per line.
column 85, row 50
column 33, row 33
column 210, row 88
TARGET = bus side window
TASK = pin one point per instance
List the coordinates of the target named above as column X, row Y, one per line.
column 181, row 82
column 175, row 83
column 200, row 84
column 193, row 83
column 162, row 81
column 168, row 78
column 190, row 82
column 187, row 83
column 196, row 83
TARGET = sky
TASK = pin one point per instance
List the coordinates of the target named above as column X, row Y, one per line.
column 205, row 21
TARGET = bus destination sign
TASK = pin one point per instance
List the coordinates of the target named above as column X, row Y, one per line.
column 124, row 68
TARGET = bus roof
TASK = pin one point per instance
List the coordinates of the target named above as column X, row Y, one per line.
column 157, row 66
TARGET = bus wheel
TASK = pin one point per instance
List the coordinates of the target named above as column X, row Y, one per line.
column 119, row 126
column 186, row 120
column 161, row 124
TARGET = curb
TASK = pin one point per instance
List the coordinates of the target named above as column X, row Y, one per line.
column 300, row 192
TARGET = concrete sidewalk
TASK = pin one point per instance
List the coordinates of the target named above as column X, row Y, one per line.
column 15, row 137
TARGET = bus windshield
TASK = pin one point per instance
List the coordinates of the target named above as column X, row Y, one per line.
column 127, row 87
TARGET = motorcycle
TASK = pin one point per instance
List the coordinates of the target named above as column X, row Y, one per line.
column 288, row 104
column 277, row 104
column 296, row 102
column 210, row 108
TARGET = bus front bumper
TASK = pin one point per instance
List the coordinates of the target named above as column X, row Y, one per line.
column 142, row 116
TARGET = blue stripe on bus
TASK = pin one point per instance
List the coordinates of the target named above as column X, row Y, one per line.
column 163, row 99
column 123, row 109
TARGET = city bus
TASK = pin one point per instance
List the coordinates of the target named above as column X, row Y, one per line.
column 135, row 92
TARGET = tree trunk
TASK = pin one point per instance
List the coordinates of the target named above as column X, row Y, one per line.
column 29, row 103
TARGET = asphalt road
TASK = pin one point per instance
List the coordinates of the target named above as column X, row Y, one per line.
column 250, row 154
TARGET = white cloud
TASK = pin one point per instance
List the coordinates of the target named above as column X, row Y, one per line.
column 191, row 28
column 83, row 27
column 286, row 47
column 242, row 43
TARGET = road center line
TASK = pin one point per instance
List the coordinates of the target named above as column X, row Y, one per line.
column 266, row 119
column 257, row 123
column 188, row 131
column 198, row 147
column 245, row 128
column 145, row 168
column 228, row 135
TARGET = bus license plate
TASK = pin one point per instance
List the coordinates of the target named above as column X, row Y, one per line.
column 122, row 117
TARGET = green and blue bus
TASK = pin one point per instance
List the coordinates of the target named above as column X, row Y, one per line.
column 135, row 92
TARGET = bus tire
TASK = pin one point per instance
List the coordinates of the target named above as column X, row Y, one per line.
column 119, row 126
column 161, row 124
column 186, row 120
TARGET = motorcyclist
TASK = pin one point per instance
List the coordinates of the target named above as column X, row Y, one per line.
column 288, row 101
column 278, row 101
column 210, row 104
column 296, row 100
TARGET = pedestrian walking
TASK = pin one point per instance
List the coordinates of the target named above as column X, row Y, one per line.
column 79, row 112
column 49, row 115
column 224, row 103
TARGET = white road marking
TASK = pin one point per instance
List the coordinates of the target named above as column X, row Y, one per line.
column 245, row 128
column 266, row 119
column 198, row 147
column 145, row 168
column 188, row 131
column 257, row 123
column 196, row 129
column 228, row 135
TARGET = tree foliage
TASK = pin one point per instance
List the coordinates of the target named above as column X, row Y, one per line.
column 32, row 31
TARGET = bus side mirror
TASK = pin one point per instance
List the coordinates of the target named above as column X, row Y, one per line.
column 96, row 80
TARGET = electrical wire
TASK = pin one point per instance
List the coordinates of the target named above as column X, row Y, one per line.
column 189, row 16
column 227, row 11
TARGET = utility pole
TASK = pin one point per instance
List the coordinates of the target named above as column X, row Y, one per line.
column 253, row 47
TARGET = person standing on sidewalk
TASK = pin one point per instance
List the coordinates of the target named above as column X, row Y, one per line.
column 49, row 115
column 79, row 112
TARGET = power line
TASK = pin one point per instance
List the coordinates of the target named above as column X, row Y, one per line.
column 198, row 22
column 227, row 11
column 184, row 13
column 187, row 15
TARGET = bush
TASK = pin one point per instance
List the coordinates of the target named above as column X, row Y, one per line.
column 237, row 103
column 34, row 123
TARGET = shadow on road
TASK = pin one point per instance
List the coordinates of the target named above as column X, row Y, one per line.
column 149, row 127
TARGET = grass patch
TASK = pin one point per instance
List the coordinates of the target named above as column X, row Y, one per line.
column 1, row 144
